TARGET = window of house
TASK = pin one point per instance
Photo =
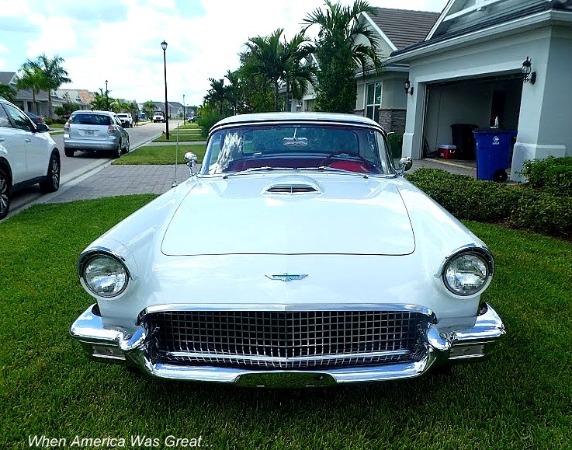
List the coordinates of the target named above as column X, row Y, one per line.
column 373, row 100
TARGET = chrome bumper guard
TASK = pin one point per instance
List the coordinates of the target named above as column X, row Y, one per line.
column 120, row 346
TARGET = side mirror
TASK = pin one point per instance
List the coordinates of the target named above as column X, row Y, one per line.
column 404, row 165
column 42, row 127
column 191, row 162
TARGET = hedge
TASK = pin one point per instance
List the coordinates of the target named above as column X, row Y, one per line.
column 552, row 175
column 484, row 201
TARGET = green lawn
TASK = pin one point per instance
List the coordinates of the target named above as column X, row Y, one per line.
column 187, row 136
column 519, row 399
column 163, row 154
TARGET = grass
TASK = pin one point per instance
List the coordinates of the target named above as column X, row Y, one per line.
column 163, row 154
column 521, row 398
column 193, row 136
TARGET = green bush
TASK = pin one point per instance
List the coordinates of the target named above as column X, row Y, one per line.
column 544, row 213
column 485, row 201
column 395, row 141
column 207, row 119
column 552, row 175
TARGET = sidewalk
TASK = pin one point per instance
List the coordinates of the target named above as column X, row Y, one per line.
column 117, row 180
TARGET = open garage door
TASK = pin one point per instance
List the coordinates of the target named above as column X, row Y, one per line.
column 453, row 109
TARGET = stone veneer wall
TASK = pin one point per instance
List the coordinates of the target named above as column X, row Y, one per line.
column 392, row 120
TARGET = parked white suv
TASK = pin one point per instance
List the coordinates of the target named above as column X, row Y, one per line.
column 126, row 120
column 28, row 155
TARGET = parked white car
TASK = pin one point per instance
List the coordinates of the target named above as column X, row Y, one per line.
column 126, row 120
column 28, row 155
column 297, row 256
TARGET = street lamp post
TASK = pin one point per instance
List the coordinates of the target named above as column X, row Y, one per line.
column 106, row 96
column 184, row 110
column 164, row 47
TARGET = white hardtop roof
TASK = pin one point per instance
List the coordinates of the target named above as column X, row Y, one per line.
column 350, row 119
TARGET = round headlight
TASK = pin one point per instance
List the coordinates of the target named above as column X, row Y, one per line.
column 105, row 275
column 467, row 273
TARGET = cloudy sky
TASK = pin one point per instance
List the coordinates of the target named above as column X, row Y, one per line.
column 120, row 40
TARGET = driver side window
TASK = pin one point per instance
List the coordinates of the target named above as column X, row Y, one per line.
column 19, row 118
column 4, row 121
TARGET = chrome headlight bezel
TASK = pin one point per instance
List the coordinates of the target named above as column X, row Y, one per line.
column 89, row 257
column 483, row 265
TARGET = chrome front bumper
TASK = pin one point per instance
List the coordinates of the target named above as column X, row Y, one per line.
column 120, row 346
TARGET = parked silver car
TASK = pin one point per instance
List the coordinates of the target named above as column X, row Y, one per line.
column 95, row 131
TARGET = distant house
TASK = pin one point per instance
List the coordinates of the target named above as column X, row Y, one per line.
column 24, row 97
column 469, row 70
column 176, row 109
column 82, row 97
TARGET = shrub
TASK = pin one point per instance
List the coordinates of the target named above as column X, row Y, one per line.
column 544, row 213
column 485, row 201
column 207, row 119
column 395, row 141
column 552, row 175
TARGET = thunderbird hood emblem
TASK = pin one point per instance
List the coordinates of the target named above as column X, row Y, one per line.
column 287, row 277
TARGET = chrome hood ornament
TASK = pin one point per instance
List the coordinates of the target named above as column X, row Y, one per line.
column 287, row 277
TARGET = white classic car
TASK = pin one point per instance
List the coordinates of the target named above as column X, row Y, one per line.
column 296, row 256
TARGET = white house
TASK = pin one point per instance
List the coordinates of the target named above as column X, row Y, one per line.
column 469, row 70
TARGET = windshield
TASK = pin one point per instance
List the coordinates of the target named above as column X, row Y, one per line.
column 297, row 146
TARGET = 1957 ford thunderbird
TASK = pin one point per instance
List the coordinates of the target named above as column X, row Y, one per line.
column 296, row 255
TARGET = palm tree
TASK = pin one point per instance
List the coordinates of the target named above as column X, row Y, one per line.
column 264, row 56
column 8, row 92
column 216, row 95
column 233, row 90
column 299, row 71
column 343, row 45
column 118, row 105
column 54, row 73
column 280, row 61
column 148, row 108
column 31, row 77
column 99, row 100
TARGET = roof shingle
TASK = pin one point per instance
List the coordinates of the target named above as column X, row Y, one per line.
column 404, row 27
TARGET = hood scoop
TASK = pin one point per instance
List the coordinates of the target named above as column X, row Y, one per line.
column 291, row 185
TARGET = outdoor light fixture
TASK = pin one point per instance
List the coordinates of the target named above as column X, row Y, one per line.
column 164, row 47
column 527, row 74
column 408, row 87
column 106, row 97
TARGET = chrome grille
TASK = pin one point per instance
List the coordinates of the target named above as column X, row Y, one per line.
column 286, row 340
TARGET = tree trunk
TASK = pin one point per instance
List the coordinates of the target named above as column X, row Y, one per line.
column 50, row 106
column 276, row 96
column 34, row 102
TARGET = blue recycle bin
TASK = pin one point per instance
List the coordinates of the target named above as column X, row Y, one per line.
column 493, row 153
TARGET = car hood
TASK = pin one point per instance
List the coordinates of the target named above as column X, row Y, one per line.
column 263, row 214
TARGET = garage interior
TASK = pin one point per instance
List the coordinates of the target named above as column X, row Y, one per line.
column 455, row 108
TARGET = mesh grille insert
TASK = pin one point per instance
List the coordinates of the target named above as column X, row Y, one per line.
column 299, row 339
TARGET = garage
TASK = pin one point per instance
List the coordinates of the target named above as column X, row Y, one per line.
column 492, row 61
column 455, row 108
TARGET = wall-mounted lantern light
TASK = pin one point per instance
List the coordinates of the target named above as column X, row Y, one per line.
column 528, row 76
column 408, row 87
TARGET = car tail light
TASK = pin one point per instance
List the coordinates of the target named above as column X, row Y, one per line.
column 111, row 129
